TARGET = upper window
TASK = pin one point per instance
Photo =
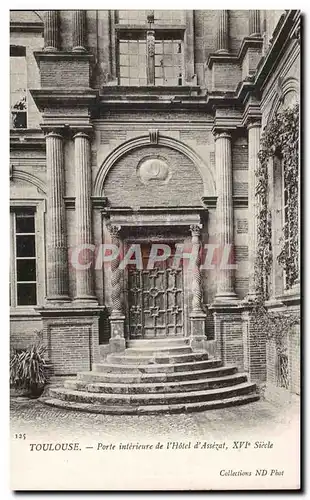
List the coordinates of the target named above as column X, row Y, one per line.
column 23, row 275
column 161, row 17
column 18, row 87
column 152, row 52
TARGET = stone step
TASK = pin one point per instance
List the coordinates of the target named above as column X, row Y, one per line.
column 151, row 409
column 132, row 378
column 153, row 388
column 163, row 359
column 156, row 367
column 153, row 399
column 158, row 351
column 163, row 342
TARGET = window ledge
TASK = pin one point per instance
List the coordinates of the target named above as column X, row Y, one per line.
column 146, row 27
column 24, row 311
column 126, row 91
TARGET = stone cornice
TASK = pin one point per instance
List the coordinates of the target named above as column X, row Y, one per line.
column 49, row 97
column 33, row 27
column 145, row 28
column 209, row 201
column 98, row 202
column 21, row 139
column 252, row 113
column 238, row 201
column 63, row 56
column 149, row 216
column 248, row 42
column 69, row 309
column 281, row 37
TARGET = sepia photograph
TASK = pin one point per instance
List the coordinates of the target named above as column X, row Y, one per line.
column 155, row 250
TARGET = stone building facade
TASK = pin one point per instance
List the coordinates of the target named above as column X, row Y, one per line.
column 144, row 127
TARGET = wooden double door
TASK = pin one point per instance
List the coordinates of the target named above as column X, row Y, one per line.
column 155, row 298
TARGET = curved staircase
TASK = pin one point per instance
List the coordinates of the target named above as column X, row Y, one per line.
column 152, row 377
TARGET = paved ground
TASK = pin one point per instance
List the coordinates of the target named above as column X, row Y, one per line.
column 34, row 417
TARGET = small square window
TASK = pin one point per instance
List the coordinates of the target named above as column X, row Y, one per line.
column 133, row 60
column 124, row 71
column 26, row 269
column 133, row 47
column 24, row 223
column 26, row 294
column 25, row 245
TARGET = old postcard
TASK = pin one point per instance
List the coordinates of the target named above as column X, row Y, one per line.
column 155, row 242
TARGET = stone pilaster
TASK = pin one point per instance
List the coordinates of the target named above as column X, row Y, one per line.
column 254, row 23
column 51, row 35
column 150, row 42
column 254, row 130
column 83, row 215
column 79, row 31
column 57, row 252
column 117, row 318
column 222, row 40
column 197, row 315
column 225, row 216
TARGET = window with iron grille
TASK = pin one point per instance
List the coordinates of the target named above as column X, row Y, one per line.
column 150, row 48
column 18, row 87
column 282, row 371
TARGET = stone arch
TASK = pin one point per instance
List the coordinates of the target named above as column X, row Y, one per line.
column 285, row 87
column 142, row 141
column 18, row 174
column 27, row 16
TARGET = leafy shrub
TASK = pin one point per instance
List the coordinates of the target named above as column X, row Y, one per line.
column 28, row 367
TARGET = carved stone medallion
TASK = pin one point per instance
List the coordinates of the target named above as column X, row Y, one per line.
column 153, row 169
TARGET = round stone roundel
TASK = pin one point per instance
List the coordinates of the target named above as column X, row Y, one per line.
column 153, row 169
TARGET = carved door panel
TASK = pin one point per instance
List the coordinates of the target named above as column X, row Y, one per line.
column 155, row 301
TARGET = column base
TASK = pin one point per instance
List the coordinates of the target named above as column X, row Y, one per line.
column 117, row 341
column 50, row 49
column 54, row 300
column 198, row 340
column 87, row 300
column 222, row 51
column 226, row 298
column 79, row 49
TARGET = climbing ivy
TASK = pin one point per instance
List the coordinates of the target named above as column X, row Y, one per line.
column 274, row 325
column 279, row 137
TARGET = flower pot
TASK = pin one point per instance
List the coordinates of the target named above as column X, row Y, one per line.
column 35, row 390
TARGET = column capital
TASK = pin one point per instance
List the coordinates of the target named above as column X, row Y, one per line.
column 82, row 131
column 83, row 134
column 253, row 123
column 114, row 230
column 195, row 229
column 53, row 133
column 221, row 133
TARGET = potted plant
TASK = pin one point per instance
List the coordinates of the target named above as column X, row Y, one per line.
column 28, row 369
